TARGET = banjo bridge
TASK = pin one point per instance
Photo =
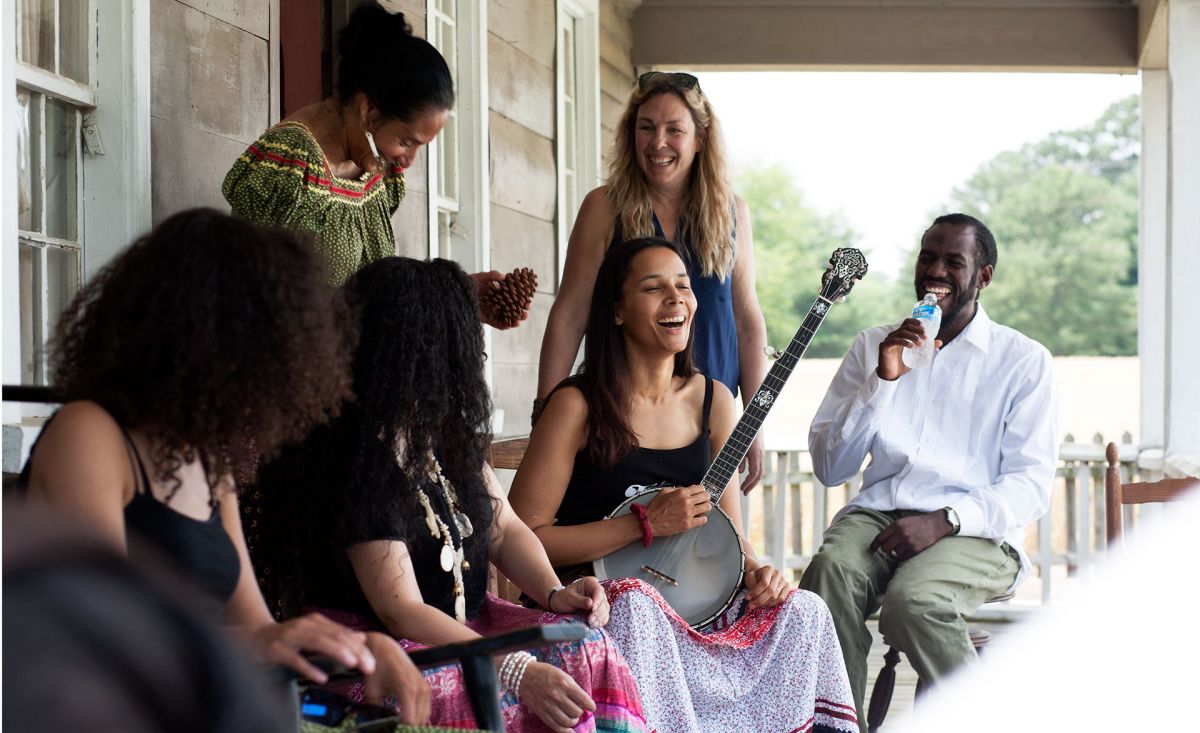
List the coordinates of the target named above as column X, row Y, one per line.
column 660, row 575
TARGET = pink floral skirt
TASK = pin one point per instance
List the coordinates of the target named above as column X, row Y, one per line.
column 594, row 663
column 773, row 670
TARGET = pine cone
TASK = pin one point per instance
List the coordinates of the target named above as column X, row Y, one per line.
column 508, row 302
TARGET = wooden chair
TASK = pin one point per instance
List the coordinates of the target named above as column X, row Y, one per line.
column 507, row 454
column 1118, row 495
column 885, row 682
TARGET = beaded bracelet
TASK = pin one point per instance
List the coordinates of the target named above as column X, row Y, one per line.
column 513, row 669
column 519, row 675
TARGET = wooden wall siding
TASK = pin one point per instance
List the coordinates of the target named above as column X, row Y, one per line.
column 616, row 71
column 252, row 16
column 210, row 95
column 410, row 223
column 524, row 185
column 518, row 85
column 527, row 26
column 521, row 94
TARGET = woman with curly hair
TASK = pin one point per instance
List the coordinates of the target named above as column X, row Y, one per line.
column 207, row 344
column 388, row 517
column 668, row 178
column 637, row 415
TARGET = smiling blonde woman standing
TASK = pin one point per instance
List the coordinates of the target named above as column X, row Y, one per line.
column 668, row 179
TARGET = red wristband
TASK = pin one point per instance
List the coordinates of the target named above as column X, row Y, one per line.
column 644, row 520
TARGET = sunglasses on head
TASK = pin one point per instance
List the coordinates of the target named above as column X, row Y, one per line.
column 677, row 79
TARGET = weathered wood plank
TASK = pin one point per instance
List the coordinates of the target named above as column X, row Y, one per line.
column 614, row 82
column 207, row 73
column 615, row 50
column 527, row 25
column 615, row 19
column 612, row 106
column 513, row 392
column 520, row 88
column 522, row 167
column 252, row 16
column 410, row 224
column 187, row 167
column 522, row 345
column 520, row 240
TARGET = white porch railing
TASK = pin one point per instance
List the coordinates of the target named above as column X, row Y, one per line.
column 788, row 514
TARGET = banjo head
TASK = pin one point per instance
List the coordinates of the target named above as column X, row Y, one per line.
column 698, row 572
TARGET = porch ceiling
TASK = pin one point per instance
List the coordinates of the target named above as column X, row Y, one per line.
column 937, row 35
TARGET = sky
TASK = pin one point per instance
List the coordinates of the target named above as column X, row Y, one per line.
column 886, row 149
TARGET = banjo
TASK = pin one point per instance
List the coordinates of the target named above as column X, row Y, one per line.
column 699, row 572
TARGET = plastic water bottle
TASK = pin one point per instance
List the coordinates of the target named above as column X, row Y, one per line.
column 930, row 316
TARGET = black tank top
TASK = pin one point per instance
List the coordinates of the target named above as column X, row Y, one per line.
column 200, row 549
column 593, row 492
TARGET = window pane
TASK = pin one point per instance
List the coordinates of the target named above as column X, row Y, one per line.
column 62, row 199
column 36, row 26
column 449, row 49
column 73, row 39
column 27, row 289
column 568, row 41
column 62, row 282
column 569, row 130
column 29, row 184
column 448, row 163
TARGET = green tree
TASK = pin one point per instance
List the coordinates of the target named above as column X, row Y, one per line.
column 1064, row 211
column 792, row 244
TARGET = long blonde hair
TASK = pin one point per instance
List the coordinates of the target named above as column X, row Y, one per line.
column 708, row 214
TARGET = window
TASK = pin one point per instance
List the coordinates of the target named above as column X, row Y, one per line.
column 578, row 127
column 80, row 169
column 458, row 172
column 53, row 98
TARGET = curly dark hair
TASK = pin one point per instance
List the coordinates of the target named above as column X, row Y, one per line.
column 418, row 383
column 401, row 74
column 215, row 336
column 603, row 377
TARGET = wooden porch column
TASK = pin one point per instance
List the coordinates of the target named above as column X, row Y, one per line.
column 1182, row 383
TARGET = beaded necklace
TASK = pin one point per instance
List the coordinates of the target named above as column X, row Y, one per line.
column 453, row 556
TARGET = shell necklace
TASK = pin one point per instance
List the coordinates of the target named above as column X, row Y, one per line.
column 453, row 557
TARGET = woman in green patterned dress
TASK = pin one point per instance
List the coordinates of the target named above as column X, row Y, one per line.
column 335, row 168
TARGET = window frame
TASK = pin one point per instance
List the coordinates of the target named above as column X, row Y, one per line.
column 114, row 188
column 470, row 208
column 581, row 18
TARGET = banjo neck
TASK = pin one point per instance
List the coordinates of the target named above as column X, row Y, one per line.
column 725, row 467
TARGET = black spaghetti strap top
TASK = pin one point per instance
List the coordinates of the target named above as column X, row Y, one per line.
column 593, row 492
column 200, row 549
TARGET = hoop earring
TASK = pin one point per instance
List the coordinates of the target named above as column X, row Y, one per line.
column 380, row 164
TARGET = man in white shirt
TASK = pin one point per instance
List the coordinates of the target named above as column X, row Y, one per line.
column 963, row 453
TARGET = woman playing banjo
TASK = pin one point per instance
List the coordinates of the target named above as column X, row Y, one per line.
column 639, row 415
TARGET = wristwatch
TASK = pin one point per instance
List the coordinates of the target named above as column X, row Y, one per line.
column 952, row 519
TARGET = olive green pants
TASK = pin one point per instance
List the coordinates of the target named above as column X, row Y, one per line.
column 926, row 597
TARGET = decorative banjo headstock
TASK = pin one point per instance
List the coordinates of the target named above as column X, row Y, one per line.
column 846, row 267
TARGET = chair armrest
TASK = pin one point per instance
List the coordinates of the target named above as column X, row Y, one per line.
column 491, row 646
column 29, row 393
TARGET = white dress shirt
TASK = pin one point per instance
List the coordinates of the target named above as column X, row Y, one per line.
column 975, row 431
